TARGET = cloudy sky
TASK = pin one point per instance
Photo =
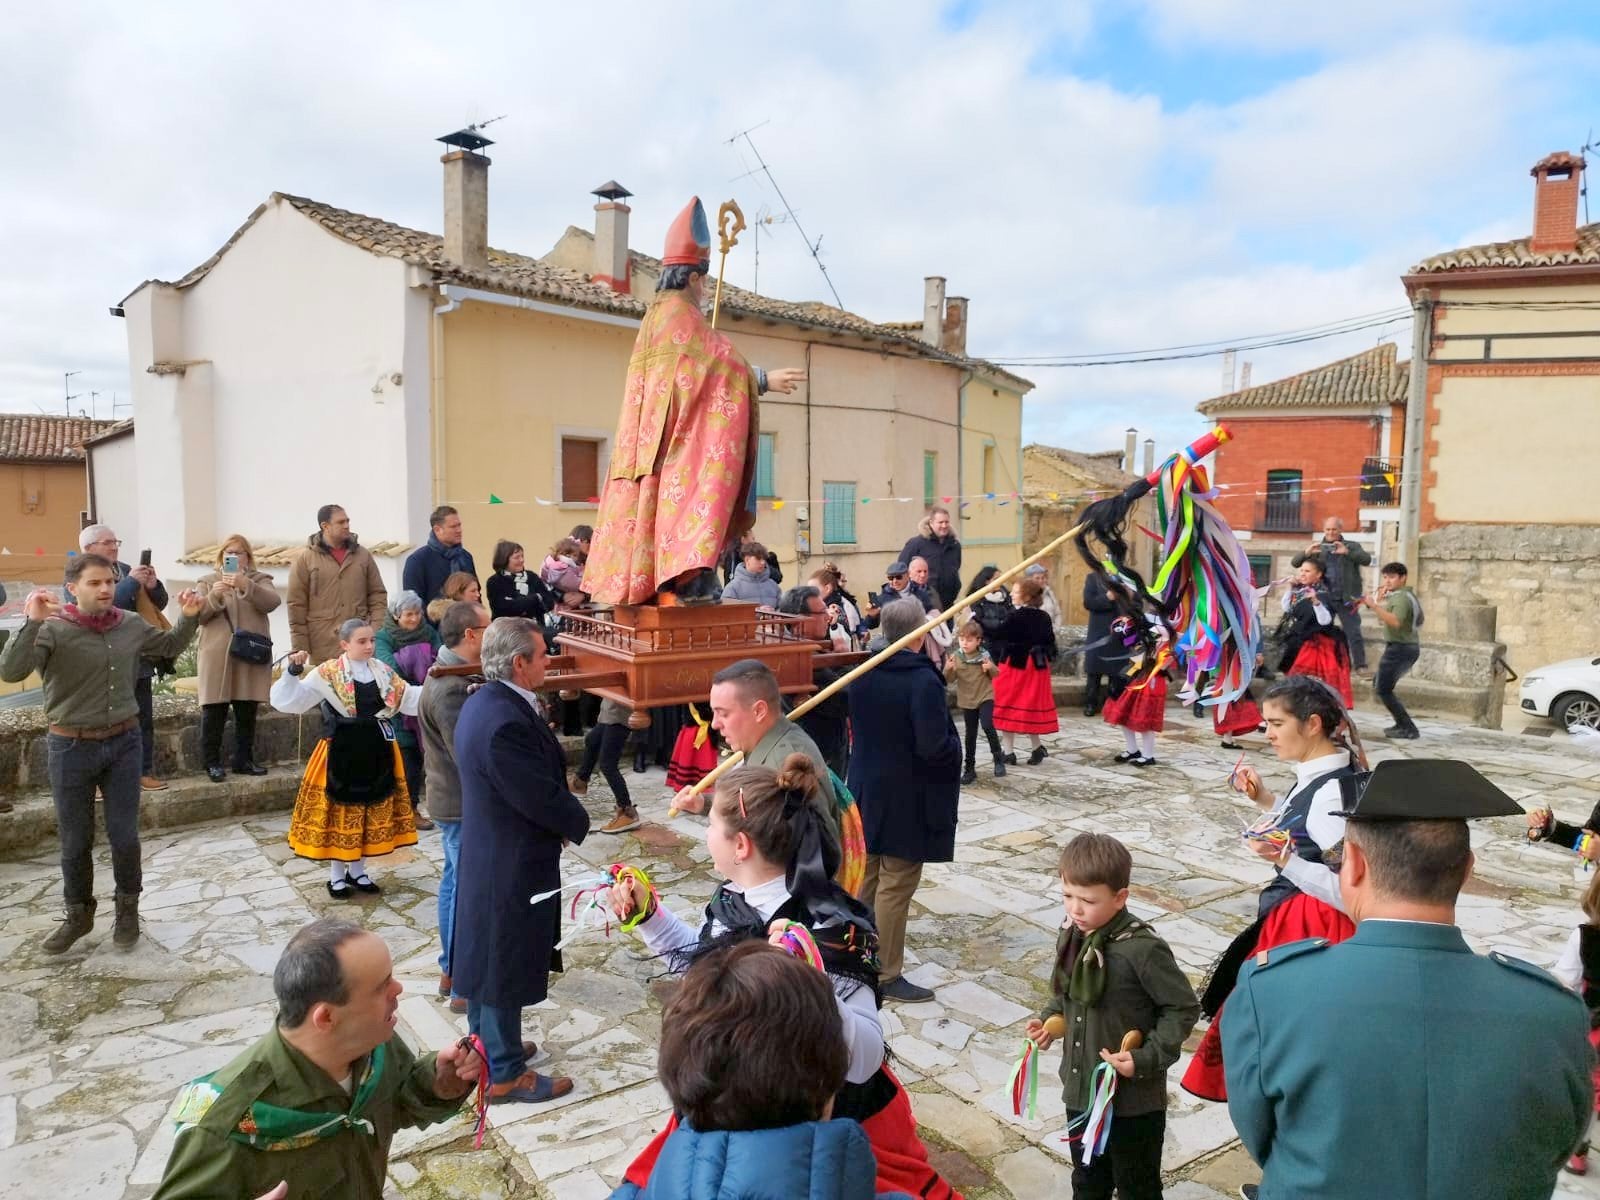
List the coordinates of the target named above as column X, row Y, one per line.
column 1097, row 175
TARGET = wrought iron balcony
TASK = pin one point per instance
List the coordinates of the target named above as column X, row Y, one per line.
column 1380, row 483
column 1282, row 514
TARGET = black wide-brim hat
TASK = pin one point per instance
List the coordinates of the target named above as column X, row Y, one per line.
column 1423, row 789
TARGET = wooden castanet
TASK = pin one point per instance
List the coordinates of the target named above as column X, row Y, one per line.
column 1056, row 1027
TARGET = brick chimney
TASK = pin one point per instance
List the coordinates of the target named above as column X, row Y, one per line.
column 612, row 265
column 954, row 336
column 466, row 198
column 933, row 309
column 1556, row 182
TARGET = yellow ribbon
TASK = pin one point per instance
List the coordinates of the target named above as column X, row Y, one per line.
column 705, row 726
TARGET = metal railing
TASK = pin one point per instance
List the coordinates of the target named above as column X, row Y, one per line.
column 1282, row 514
column 1380, row 483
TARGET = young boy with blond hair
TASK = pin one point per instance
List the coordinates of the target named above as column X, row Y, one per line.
column 1114, row 975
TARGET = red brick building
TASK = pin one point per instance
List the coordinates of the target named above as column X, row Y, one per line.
column 1324, row 443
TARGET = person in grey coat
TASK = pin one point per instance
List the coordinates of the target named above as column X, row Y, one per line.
column 752, row 581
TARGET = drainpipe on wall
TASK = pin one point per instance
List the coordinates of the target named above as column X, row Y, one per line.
column 437, row 400
column 1416, row 421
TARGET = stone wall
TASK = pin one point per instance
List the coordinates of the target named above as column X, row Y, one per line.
column 1543, row 579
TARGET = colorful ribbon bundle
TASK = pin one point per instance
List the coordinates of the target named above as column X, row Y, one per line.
column 1205, row 585
column 1582, row 844
column 481, row 1103
column 797, row 940
column 618, row 873
column 1025, row 1082
column 1204, row 588
column 592, row 895
column 1092, row 1128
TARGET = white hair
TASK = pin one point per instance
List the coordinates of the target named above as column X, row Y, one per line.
column 94, row 533
column 405, row 600
column 508, row 638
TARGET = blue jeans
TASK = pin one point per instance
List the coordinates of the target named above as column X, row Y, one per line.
column 501, row 1031
column 450, row 838
column 77, row 767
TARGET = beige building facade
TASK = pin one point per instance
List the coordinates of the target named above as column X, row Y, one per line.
column 323, row 356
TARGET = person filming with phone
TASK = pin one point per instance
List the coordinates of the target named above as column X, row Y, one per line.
column 139, row 590
column 235, row 656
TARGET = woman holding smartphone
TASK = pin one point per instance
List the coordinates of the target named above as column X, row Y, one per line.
column 237, row 597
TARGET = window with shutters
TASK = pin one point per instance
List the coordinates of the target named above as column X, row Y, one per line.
column 930, row 477
column 838, row 513
column 580, row 469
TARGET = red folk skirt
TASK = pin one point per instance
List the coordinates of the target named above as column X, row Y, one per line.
column 903, row 1164
column 1023, row 701
column 1322, row 657
column 1594, row 1040
column 689, row 763
column 1244, row 716
column 1142, row 710
column 1299, row 917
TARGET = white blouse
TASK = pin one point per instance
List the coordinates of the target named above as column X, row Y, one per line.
column 1324, row 825
column 302, row 693
column 665, row 933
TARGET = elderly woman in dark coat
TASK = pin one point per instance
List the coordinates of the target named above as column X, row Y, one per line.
column 1104, row 657
column 516, row 813
column 905, row 773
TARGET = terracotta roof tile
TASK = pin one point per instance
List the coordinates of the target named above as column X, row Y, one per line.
column 522, row 275
column 1371, row 379
column 1515, row 253
column 1101, row 467
column 42, row 438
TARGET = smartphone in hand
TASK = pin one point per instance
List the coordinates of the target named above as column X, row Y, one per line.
column 230, row 564
column 144, row 558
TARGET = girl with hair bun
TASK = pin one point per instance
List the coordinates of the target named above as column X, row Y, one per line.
column 1307, row 725
column 770, row 835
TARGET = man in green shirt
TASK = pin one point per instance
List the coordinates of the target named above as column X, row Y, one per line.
column 88, row 653
column 311, row 1108
column 1397, row 606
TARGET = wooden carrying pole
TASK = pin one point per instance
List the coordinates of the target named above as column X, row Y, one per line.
column 861, row 669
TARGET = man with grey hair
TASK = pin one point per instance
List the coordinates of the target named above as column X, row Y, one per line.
column 905, row 774
column 138, row 591
column 312, row 1107
column 516, row 815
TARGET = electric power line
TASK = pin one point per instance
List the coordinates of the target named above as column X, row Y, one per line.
column 1218, row 345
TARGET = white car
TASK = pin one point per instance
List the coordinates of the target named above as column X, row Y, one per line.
column 1566, row 692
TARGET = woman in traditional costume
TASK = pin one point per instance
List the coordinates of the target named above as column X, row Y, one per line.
column 769, row 834
column 1023, row 699
column 1312, row 643
column 1139, row 708
column 1309, row 727
column 352, row 802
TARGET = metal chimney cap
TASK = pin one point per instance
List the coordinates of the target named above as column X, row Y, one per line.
column 611, row 190
column 468, row 139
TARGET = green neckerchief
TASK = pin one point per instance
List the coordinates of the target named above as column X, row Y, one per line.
column 1087, row 983
column 268, row 1127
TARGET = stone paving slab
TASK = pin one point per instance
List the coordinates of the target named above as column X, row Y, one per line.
column 94, row 1045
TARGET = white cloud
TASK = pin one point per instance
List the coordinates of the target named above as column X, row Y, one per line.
column 1077, row 217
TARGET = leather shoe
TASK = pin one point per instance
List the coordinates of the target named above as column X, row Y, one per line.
column 248, row 768
column 151, row 784
column 625, row 820
column 530, row 1088
column 216, row 774
column 458, row 1004
column 902, row 989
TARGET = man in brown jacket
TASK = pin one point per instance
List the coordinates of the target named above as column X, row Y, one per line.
column 333, row 580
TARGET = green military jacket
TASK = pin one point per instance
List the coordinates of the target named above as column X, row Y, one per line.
column 1145, row 990
column 1401, row 1064
column 786, row 738
column 223, row 1150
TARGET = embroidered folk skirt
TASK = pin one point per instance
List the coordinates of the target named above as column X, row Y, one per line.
column 1141, row 710
column 1023, row 701
column 324, row 828
column 1329, row 662
column 1244, row 716
column 1292, row 920
column 690, row 763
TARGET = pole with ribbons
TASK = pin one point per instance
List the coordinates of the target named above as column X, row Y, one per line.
column 1105, row 517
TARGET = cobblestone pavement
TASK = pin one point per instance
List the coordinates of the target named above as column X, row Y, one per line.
column 94, row 1045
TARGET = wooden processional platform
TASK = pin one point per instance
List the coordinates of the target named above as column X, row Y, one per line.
column 649, row 657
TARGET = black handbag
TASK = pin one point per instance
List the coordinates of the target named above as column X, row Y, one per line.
column 247, row 647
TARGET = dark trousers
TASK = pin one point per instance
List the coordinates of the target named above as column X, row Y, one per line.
column 1094, row 692
column 1398, row 658
column 501, row 1031
column 603, row 744
column 982, row 715
column 1131, row 1164
column 1351, row 620
column 145, row 699
column 77, row 767
column 214, row 717
column 416, row 776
